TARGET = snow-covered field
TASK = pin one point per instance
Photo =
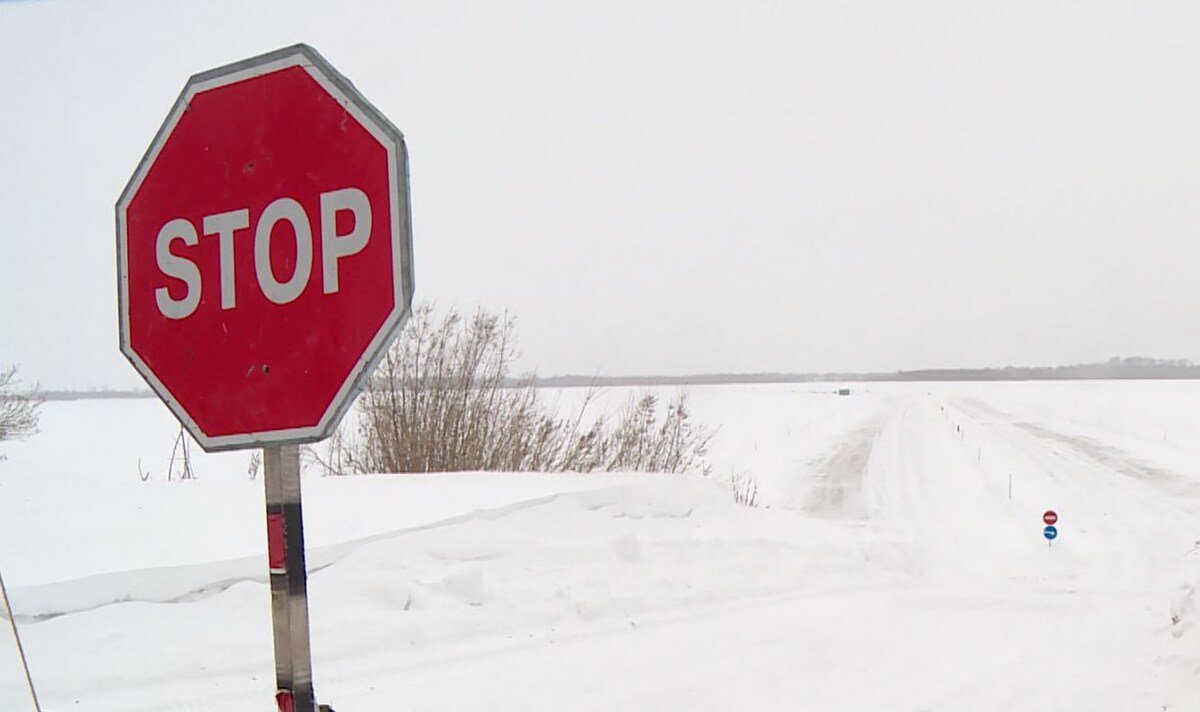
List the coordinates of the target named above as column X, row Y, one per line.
column 886, row 567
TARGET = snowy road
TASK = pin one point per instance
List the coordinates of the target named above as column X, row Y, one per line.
column 887, row 569
column 843, row 650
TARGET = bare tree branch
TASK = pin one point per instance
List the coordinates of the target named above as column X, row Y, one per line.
column 18, row 407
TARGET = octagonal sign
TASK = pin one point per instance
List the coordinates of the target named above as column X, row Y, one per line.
column 264, row 251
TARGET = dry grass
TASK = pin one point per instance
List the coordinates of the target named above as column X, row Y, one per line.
column 442, row 401
column 744, row 488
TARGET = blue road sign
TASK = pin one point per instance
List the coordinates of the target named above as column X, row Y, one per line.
column 1050, row 532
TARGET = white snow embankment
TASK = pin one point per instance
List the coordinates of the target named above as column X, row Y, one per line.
column 676, row 520
column 351, row 511
column 614, row 553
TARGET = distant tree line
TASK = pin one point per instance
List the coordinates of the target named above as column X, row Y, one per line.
column 1116, row 368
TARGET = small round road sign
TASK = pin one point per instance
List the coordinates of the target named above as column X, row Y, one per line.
column 1050, row 517
column 1050, row 532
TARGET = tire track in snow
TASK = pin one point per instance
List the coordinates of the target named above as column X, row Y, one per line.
column 1116, row 459
column 904, row 487
column 1109, row 456
column 1129, row 520
column 836, row 490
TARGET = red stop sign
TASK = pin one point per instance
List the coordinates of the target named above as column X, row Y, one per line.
column 264, row 251
column 1050, row 516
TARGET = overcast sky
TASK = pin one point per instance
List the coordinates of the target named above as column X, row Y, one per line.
column 674, row 188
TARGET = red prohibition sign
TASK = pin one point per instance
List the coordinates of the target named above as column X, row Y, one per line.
column 1050, row 517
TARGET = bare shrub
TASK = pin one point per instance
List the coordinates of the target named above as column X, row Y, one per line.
column 442, row 400
column 745, row 489
column 330, row 457
column 180, row 464
column 18, row 407
column 640, row 441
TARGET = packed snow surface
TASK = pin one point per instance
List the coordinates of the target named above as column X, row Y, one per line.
column 894, row 561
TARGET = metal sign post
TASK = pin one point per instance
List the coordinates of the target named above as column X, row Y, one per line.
column 289, row 580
